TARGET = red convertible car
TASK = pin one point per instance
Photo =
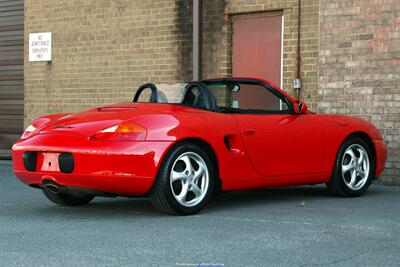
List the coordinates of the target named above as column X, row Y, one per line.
column 224, row 134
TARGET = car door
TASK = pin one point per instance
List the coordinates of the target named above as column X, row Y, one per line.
column 277, row 141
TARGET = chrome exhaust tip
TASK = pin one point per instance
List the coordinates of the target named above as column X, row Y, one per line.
column 53, row 188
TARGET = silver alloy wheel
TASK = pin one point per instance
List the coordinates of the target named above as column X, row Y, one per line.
column 189, row 179
column 355, row 167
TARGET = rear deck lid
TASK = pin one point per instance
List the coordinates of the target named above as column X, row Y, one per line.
column 90, row 122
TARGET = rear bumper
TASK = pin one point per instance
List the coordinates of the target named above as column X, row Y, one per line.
column 124, row 168
column 381, row 154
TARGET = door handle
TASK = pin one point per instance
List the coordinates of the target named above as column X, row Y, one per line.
column 248, row 131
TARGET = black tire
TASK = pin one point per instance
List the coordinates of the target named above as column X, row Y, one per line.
column 162, row 196
column 65, row 199
column 337, row 185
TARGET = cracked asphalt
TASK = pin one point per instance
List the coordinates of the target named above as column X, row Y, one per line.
column 302, row 226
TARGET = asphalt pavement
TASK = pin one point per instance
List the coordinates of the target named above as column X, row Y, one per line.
column 302, row 226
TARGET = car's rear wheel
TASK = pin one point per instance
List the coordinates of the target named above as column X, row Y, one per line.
column 185, row 181
column 354, row 169
column 65, row 199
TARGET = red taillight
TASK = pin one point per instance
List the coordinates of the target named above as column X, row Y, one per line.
column 32, row 129
column 29, row 131
column 123, row 132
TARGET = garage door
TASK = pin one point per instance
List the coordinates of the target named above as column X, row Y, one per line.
column 11, row 73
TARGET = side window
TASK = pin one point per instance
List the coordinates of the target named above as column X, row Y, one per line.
column 256, row 97
column 247, row 98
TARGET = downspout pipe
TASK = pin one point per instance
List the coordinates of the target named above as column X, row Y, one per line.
column 197, row 49
column 298, row 82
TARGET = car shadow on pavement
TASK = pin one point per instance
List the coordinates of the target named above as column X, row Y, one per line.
column 279, row 196
column 124, row 207
column 275, row 196
column 112, row 208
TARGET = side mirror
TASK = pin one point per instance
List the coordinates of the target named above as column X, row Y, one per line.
column 300, row 107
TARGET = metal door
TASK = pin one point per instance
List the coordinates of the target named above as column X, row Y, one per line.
column 11, row 73
column 257, row 46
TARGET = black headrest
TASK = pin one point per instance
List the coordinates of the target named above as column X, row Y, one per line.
column 206, row 99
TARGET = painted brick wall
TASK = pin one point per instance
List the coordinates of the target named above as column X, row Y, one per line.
column 360, row 67
column 102, row 50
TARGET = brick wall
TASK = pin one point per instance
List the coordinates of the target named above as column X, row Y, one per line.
column 217, row 40
column 359, row 67
column 102, row 50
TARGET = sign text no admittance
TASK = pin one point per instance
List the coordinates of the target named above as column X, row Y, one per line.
column 40, row 46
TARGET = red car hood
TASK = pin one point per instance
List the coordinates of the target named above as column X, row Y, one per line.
column 91, row 121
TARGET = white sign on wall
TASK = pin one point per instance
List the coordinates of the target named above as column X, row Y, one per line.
column 40, row 46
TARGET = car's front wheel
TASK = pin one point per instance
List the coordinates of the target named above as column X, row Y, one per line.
column 185, row 181
column 354, row 169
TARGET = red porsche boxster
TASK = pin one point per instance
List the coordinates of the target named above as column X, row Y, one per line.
column 223, row 134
